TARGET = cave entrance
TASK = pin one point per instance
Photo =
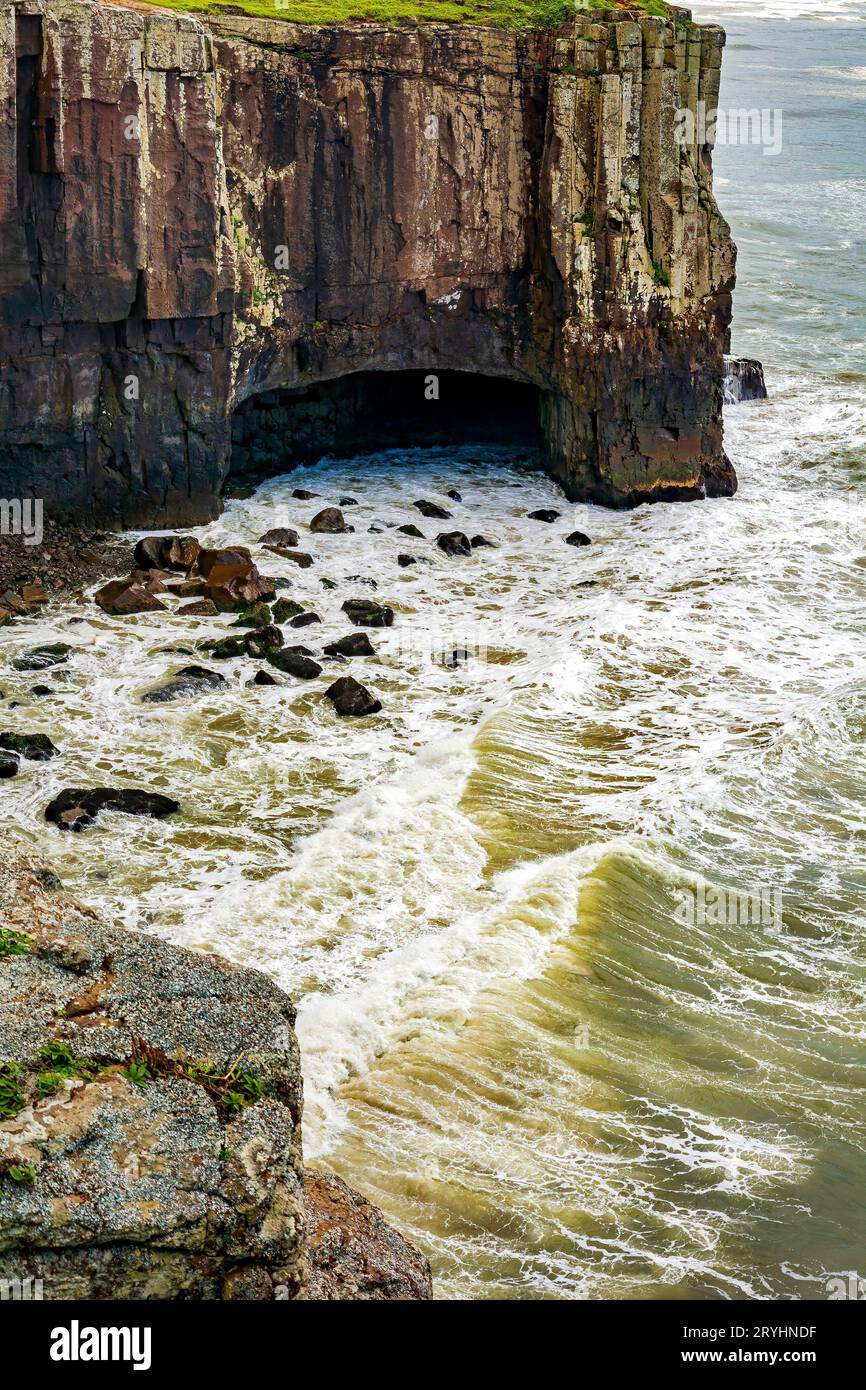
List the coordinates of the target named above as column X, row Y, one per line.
column 360, row 413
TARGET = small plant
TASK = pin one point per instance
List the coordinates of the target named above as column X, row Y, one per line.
column 660, row 275
column 47, row 1082
column 62, row 1061
column 245, row 1088
column 23, row 1173
column 138, row 1073
column 13, row 943
column 225, row 1155
column 11, row 1094
column 586, row 221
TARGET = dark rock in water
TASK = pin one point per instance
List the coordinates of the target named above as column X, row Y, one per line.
column 190, row 588
column 258, row 616
column 348, row 501
column 40, row 658
column 349, row 696
column 329, row 521
column 744, row 380
column 263, row 678
column 8, row 765
column 76, row 808
column 362, row 579
column 454, row 543
column 166, row 553
column 432, row 510
column 355, row 644
column 412, row 530
column 280, row 535
column 296, row 661
column 286, row 608
column 454, row 495
column 201, row 608
column 457, row 657
column 352, row 1252
column 404, row 561
column 302, row 494
column 578, row 538
column 121, row 598
column 328, row 583
column 366, row 612
column 544, row 514
column 227, row 648
column 304, row 619
column 263, row 641
column 36, row 748
column 376, row 530
column 298, row 557
column 40, row 690
column 478, row 542
column 190, row 680
column 280, row 583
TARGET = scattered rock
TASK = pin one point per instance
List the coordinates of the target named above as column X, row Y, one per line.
column 14, row 603
column 36, row 748
column 366, row 612
column 328, row 583
column 120, row 598
column 259, row 615
column 376, row 530
column 296, row 661
column 304, row 619
column 348, row 501
column 454, row 495
column 263, row 678
column 280, row 535
column 362, row 579
column 190, row 680
column 430, row 509
column 354, row 644
column 302, row 494
column 40, row 690
column 202, row 608
column 329, row 521
column 404, row 561
column 286, row 608
column 190, row 588
column 454, row 543
column 350, row 697
column 263, row 641
column 477, row 542
column 233, row 582
column 77, row 808
column 227, row 648
column 40, row 658
column 298, row 557
column 544, row 514
column 8, row 765
column 34, row 594
column 578, row 538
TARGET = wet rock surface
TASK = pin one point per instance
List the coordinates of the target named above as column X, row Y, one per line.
column 77, row 808
column 366, row 612
column 350, row 697
column 189, row 681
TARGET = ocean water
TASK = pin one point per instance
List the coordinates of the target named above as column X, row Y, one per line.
column 576, row 928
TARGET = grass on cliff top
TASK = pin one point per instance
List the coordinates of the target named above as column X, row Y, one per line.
column 511, row 14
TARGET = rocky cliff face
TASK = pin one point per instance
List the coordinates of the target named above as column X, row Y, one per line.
column 150, row 1123
column 192, row 211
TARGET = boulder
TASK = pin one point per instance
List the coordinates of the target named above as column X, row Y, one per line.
column 578, row 538
column 227, row 648
column 350, row 697
column 354, row 644
column 544, row 514
column 454, row 495
column 298, row 557
column 40, row 690
column 411, row 530
column 224, row 566
column 744, row 380
column 366, row 612
column 262, row 641
column 296, row 661
column 263, row 678
column 303, row 495
column 431, row 509
column 329, row 521
column 36, row 748
column 76, row 808
column 404, row 561
column 286, row 608
column 280, row 535
column 166, row 553
column 304, row 619
column 40, row 658
column 189, row 680
column 478, row 542
column 352, row 1252
column 8, row 765
column 454, row 543
column 348, row 501
column 190, row 588
column 259, row 615
column 202, row 608
column 120, row 598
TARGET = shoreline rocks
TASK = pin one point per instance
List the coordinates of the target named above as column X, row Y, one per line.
column 77, row 808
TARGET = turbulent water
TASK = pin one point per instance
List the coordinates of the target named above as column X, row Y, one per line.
column 522, row 1036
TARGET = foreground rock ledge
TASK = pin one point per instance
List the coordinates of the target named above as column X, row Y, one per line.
column 161, row 1188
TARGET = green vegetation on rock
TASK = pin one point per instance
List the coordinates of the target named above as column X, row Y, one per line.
column 509, row 14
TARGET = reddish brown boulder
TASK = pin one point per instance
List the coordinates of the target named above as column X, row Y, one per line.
column 121, row 598
column 329, row 521
column 352, row 1252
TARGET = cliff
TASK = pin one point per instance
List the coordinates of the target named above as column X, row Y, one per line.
column 194, row 210
column 150, row 1123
